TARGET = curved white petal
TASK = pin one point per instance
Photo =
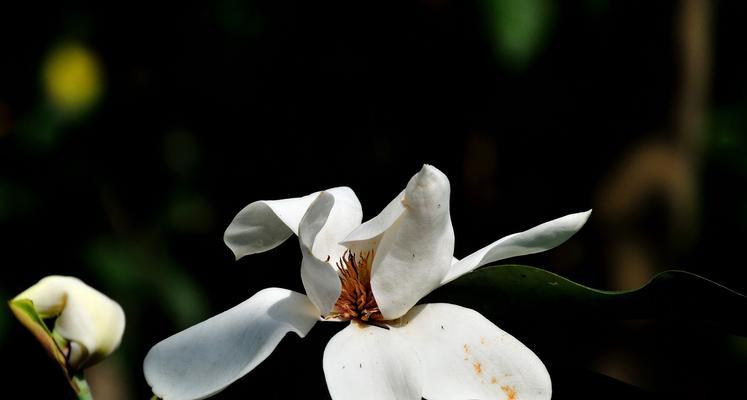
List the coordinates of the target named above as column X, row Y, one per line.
column 365, row 362
column 205, row 358
column 92, row 322
column 343, row 218
column 367, row 236
column 265, row 224
column 416, row 250
column 320, row 279
column 465, row 356
column 540, row 238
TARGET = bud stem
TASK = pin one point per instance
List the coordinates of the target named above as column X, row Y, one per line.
column 81, row 387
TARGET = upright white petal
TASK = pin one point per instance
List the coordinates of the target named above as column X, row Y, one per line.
column 205, row 358
column 540, row 238
column 465, row 356
column 416, row 250
column 92, row 322
column 365, row 362
column 265, row 224
column 320, row 279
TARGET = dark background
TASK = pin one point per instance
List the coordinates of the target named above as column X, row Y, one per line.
column 534, row 109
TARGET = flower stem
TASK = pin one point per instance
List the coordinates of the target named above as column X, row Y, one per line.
column 81, row 387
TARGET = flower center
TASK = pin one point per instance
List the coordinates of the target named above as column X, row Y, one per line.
column 356, row 299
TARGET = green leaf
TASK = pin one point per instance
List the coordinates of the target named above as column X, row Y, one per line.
column 26, row 313
column 24, row 310
column 527, row 292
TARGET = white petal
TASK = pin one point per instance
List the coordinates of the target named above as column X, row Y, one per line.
column 320, row 279
column 366, row 236
column 416, row 251
column 540, row 238
column 365, row 362
column 92, row 322
column 343, row 218
column 465, row 356
column 205, row 358
column 265, row 224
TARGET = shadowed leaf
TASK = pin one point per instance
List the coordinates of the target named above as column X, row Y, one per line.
column 518, row 290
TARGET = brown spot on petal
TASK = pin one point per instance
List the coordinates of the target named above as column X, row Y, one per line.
column 493, row 380
column 478, row 367
column 482, row 340
column 466, row 348
column 509, row 391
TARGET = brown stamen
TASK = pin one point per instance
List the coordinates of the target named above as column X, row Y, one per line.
column 356, row 299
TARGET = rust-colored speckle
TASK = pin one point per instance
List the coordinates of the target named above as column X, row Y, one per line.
column 493, row 380
column 482, row 340
column 478, row 367
column 466, row 348
column 509, row 391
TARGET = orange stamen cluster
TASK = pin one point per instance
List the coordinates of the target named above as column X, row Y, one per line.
column 356, row 299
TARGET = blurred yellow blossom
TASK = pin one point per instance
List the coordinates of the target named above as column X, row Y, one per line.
column 72, row 78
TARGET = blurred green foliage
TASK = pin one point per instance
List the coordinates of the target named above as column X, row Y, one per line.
column 238, row 17
column 14, row 200
column 41, row 128
column 181, row 151
column 739, row 346
column 146, row 277
column 190, row 213
column 727, row 141
column 519, row 28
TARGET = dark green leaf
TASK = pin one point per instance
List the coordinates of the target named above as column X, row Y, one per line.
column 518, row 291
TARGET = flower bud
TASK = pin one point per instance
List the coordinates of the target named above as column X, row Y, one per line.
column 90, row 323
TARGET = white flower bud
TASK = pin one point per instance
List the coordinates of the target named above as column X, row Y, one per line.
column 88, row 320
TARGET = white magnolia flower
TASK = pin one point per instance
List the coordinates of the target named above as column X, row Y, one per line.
column 372, row 275
column 91, row 323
